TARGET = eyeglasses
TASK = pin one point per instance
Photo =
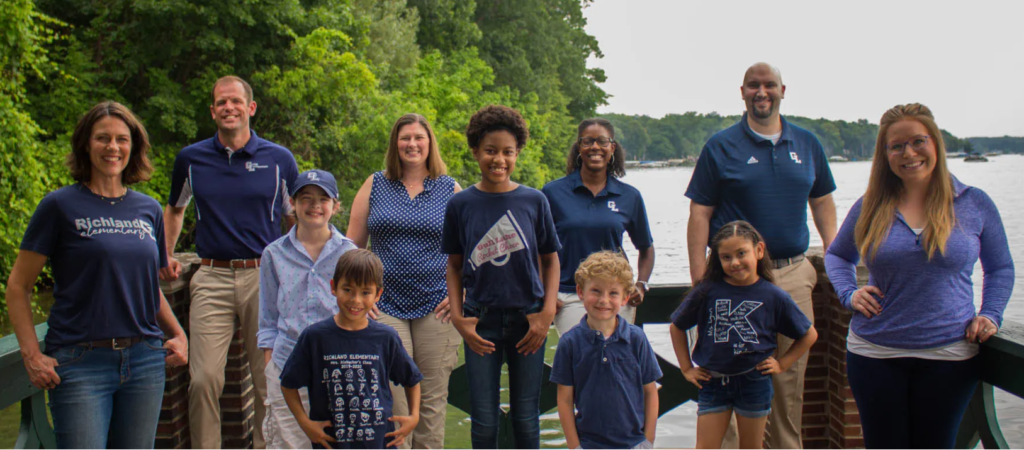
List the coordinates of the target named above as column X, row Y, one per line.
column 917, row 143
column 602, row 142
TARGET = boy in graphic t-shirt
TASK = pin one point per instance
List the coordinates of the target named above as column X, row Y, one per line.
column 502, row 249
column 346, row 363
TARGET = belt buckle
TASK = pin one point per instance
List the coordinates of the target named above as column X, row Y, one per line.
column 113, row 344
column 241, row 265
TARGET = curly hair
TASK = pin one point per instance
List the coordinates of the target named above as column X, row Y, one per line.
column 617, row 168
column 606, row 265
column 497, row 118
column 138, row 169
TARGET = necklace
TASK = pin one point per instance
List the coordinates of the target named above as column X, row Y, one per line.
column 112, row 200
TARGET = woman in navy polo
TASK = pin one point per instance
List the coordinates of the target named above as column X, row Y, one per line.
column 400, row 210
column 104, row 359
column 592, row 208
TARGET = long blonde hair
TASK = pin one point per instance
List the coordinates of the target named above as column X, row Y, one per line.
column 393, row 163
column 885, row 189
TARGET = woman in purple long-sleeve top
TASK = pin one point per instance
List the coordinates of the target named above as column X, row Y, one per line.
column 915, row 332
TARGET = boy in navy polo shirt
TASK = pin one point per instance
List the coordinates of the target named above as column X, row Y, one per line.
column 604, row 366
column 346, row 362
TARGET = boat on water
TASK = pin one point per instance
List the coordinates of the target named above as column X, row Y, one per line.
column 975, row 158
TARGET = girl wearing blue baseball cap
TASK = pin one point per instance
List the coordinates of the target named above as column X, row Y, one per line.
column 295, row 292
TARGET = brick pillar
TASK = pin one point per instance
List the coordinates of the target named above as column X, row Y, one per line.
column 830, row 416
column 237, row 402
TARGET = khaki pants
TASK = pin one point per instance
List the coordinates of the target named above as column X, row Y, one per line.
column 281, row 429
column 786, row 419
column 434, row 347
column 573, row 311
column 218, row 296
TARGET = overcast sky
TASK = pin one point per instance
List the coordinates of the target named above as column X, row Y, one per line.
column 850, row 60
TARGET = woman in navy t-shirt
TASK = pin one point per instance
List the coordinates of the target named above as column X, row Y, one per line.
column 592, row 208
column 502, row 249
column 104, row 360
column 400, row 212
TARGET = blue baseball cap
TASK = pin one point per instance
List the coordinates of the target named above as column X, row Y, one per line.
column 317, row 177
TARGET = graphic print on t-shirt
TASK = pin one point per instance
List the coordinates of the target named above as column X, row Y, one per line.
column 88, row 227
column 355, row 408
column 499, row 243
column 724, row 319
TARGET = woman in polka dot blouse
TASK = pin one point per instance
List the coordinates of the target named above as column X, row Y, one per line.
column 400, row 211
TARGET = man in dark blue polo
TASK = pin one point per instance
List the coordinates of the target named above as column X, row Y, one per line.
column 766, row 171
column 240, row 183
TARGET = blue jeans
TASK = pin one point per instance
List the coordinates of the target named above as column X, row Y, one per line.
column 911, row 402
column 749, row 395
column 505, row 328
column 108, row 398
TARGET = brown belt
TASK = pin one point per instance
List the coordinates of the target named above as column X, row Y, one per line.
column 116, row 343
column 232, row 264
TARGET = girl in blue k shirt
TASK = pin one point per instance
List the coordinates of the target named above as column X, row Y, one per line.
column 738, row 312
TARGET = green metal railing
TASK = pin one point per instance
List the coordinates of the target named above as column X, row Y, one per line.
column 657, row 307
column 1002, row 366
column 15, row 387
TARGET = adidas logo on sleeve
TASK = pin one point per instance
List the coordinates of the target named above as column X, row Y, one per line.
column 752, row 160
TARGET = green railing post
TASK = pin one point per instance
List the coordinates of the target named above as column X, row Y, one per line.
column 1002, row 366
column 657, row 308
column 35, row 430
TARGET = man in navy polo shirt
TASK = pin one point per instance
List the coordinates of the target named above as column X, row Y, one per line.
column 240, row 183
column 766, row 171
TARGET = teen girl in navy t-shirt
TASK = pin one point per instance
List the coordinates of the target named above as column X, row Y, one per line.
column 502, row 249
column 737, row 311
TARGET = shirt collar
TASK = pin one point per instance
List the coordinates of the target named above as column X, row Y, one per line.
column 249, row 148
column 787, row 133
column 336, row 236
column 958, row 187
column 621, row 331
column 611, row 187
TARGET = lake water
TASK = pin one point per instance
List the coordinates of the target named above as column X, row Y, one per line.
column 668, row 212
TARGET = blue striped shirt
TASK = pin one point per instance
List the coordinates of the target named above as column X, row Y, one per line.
column 295, row 291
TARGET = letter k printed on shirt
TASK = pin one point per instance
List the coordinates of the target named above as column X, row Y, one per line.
column 727, row 319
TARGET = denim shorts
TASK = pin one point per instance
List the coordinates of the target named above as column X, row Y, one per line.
column 749, row 394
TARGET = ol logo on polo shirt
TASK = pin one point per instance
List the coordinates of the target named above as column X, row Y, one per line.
column 251, row 166
column 795, row 157
column 611, row 206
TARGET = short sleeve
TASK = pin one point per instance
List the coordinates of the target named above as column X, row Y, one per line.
column 686, row 315
column 703, row 187
column 401, row 368
column 181, row 193
column 161, row 238
column 824, row 184
column 639, row 228
column 789, row 320
column 451, row 244
column 547, row 237
column 42, row 234
column 650, row 371
column 298, row 370
column 561, row 367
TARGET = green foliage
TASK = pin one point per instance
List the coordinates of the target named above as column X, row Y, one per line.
column 330, row 77
column 1005, row 144
column 680, row 136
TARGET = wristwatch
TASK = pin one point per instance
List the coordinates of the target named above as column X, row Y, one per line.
column 643, row 286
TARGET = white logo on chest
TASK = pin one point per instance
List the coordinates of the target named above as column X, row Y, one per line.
column 499, row 243
column 611, row 206
column 251, row 166
column 795, row 157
